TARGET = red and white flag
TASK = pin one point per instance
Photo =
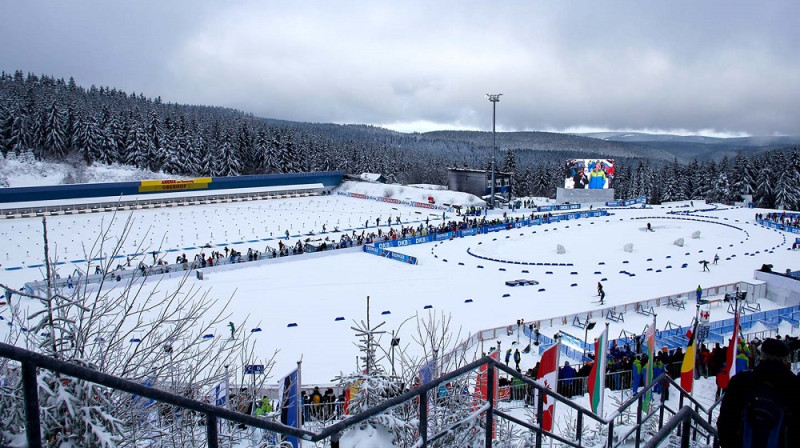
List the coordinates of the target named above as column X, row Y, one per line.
column 548, row 377
column 733, row 346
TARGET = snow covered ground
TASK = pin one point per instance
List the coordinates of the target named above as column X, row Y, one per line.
column 312, row 292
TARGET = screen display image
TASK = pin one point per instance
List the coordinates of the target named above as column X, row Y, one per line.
column 589, row 174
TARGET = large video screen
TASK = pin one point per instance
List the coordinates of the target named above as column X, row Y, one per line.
column 589, row 174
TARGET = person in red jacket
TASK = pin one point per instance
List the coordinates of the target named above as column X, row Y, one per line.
column 722, row 379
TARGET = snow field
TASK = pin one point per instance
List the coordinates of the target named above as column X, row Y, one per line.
column 313, row 292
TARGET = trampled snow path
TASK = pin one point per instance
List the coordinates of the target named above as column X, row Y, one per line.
column 313, row 292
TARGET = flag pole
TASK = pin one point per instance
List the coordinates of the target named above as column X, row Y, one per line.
column 299, row 405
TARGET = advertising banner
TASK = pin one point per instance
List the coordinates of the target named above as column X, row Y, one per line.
column 150, row 186
column 397, row 256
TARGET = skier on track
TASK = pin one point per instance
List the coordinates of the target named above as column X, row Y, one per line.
column 602, row 296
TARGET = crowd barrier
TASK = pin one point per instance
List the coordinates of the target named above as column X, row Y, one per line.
column 396, row 201
column 778, row 226
column 397, row 256
column 443, row 236
column 118, row 275
column 628, row 203
column 561, row 207
column 328, row 179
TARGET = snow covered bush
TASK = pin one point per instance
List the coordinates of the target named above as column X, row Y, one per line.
column 124, row 329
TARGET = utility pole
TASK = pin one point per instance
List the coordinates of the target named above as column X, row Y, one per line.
column 494, row 98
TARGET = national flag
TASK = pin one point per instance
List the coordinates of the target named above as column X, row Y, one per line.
column 730, row 359
column 651, row 358
column 221, row 393
column 548, row 377
column 291, row 403
column 597, row 377
column 687, row 368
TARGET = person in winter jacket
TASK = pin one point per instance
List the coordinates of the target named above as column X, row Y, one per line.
column 508, row 356
column 636, row 375
column 597, row 178
column 774, row 383
column 316, row 403
column 658, row 369
column 517, row 357
column 567, row 373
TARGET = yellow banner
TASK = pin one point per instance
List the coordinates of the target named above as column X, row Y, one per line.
column 149, row 186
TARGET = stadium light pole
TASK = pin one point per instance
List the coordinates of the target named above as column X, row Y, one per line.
column 494, row 98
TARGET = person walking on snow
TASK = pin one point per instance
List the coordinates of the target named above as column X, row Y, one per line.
column 716, row 258
column 699, row 293
column 517, row 358
column 508, row 356
column 233, row 329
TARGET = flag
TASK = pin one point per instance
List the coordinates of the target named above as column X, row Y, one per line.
column 482, row 388
column 687, row 368
column 221, row 393
column 597, row 377
column 426, row 372
column 733, row 346
column 291, row 402
column 651, row 357
column 548, row 377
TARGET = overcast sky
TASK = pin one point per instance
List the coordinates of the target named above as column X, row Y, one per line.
column 713, row 67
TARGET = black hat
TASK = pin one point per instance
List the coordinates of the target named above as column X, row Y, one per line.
column 774, row 349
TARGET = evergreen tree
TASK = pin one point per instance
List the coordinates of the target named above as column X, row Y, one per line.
column 137, row 151
column 6, row 123
column 109, row 149
column 155, row 143
column 55, row 143
column 19, row 141
column 764, row 195
column 227, row 163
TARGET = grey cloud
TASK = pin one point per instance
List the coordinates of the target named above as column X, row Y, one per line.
column 719, row 65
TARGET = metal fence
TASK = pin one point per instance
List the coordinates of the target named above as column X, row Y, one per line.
column 426, row 407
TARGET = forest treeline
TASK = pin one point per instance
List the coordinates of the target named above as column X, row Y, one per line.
column 56, row 119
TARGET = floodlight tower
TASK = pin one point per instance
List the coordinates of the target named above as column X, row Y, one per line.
column 494, row 98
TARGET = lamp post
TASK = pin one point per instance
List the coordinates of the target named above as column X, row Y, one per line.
column 494, row 98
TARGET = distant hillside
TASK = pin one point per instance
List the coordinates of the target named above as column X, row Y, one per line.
column 44, row 119
column 688, row 147
column 550, row 141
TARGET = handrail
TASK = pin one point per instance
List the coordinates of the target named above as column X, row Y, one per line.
column 31, row 360
column 535, row 428
column 685, row 415
column 104, row 379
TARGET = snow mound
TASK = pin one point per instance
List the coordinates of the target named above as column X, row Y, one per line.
column 25, row 171
column 417, row 194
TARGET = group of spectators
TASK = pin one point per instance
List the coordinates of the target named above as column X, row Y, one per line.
column 627, row 367
column 322, row 407
column 783, row 218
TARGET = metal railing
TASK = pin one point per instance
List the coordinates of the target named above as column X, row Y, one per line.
column 417, row 397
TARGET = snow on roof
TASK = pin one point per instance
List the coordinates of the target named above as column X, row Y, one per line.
column 371, row 177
